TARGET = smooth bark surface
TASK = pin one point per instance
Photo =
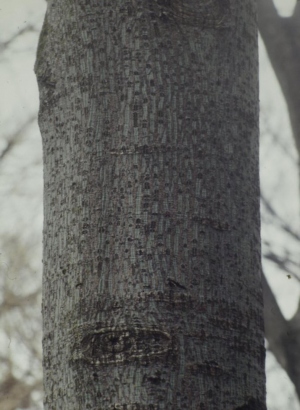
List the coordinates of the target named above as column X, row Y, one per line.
column 152, row 288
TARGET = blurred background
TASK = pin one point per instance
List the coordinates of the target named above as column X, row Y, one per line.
column 21, row 210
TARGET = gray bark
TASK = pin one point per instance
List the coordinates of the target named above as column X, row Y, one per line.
column 151, row 288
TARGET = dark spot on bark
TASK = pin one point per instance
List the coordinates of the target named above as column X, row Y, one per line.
column 155, row 380
column 252, row 404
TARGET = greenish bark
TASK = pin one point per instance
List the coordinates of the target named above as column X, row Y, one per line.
column 152, row 293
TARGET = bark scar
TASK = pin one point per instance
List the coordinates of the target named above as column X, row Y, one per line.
column 105, row 345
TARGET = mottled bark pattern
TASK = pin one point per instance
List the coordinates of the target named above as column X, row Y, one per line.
column 152, row 294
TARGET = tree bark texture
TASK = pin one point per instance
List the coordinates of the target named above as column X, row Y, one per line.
column 151, row 288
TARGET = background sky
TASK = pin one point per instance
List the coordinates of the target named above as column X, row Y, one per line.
column 21, row 173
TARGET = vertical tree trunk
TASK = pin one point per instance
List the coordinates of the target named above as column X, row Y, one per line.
column 152, row 293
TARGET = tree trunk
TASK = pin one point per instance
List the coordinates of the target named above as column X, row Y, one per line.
column 151, row 288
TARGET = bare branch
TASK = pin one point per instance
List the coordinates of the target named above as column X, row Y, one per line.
column 28, row 29
column 275, row 323
column 283, row 264
column 280, row 36
column 279, row 219
column 13, row 139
